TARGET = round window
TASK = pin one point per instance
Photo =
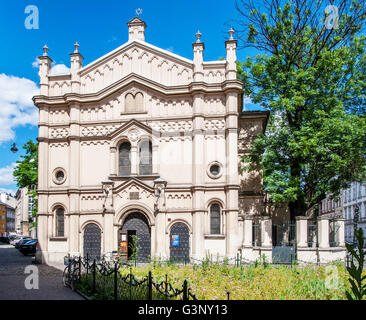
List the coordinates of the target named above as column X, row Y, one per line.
column 60, row 176
column 215, row 170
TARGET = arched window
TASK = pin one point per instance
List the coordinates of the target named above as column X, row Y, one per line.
column 130, row 103
column 134, row 103
column 125, row 159
column 60, row 222
column 215, row 224
column 139, row 102
column 145, row 153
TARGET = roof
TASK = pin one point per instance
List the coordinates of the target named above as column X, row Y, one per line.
column 256, row 114
column 139, row 42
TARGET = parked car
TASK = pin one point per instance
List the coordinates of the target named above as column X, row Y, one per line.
column 22, row 240
column 29, row 247
column 12, row 240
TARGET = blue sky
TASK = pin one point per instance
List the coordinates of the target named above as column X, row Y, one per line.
column 99, row 27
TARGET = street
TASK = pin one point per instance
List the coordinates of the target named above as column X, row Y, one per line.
column 12, row 279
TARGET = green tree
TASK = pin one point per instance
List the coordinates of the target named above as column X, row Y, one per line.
column 26, row 172
column 312, row 79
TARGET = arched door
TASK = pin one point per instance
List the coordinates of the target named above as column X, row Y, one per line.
column 137, row 227
column 92, row 241
column 179, row 242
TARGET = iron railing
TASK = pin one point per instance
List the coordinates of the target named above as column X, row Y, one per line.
column 113, row 279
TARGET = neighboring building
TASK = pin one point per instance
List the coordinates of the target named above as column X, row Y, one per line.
column 9, row 202
column 10, row 219
column 23, row 212
column 354, row 196
column 331, row 207
column 2, row 218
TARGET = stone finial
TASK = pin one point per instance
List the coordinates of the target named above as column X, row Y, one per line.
column 76, row 45
column 231, row 32
column 198, row 36
column 45, row 50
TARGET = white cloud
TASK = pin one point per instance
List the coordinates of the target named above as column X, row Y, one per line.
column 6, row 190
column 35, row 63
column 247, row 100
column 59, row 69
column 6, row 175
column 16, row 105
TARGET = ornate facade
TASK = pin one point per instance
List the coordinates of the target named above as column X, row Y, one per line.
column 143, row 142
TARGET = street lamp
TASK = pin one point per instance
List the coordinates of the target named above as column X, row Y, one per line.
column 14, row 149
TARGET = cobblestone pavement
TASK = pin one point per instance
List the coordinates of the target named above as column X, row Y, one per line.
column 12, row 279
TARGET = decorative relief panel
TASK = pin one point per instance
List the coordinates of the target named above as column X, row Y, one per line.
column 91, row 202
column 215, row 124
column 136, row 60
column 94, row 143
column 172, row 126
column 97, row 131
column 59, row 88
column 59, row 145
column 214, row 76
column 58, row 116
column 170, row 107
column 59, row 132
column 179, row 200
column 214, row 104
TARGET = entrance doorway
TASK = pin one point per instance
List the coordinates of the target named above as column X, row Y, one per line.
column 179, row 242
column 135, row 226
column 92, row 241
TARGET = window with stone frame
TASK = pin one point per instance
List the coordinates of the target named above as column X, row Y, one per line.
column 60, row 222
column 134, row 103
column 30, row 205
column 215, row 219
column 145, row 155
column 125, row 159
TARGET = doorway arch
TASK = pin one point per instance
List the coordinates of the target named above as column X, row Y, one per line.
column 179, row 242
column 135, row 224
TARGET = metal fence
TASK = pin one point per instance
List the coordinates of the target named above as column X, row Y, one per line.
column 114, row 280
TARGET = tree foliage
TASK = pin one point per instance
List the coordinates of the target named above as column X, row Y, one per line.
column 313, row 81
column 26, row 171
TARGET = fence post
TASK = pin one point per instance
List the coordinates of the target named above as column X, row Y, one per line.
column 115, row 279
column 149, row 284
column 130, row 282
column 87, row 263
column 94, row 267
column 228, row 295
column 185, row 290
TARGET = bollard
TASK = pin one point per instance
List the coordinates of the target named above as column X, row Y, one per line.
column 228, row 295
